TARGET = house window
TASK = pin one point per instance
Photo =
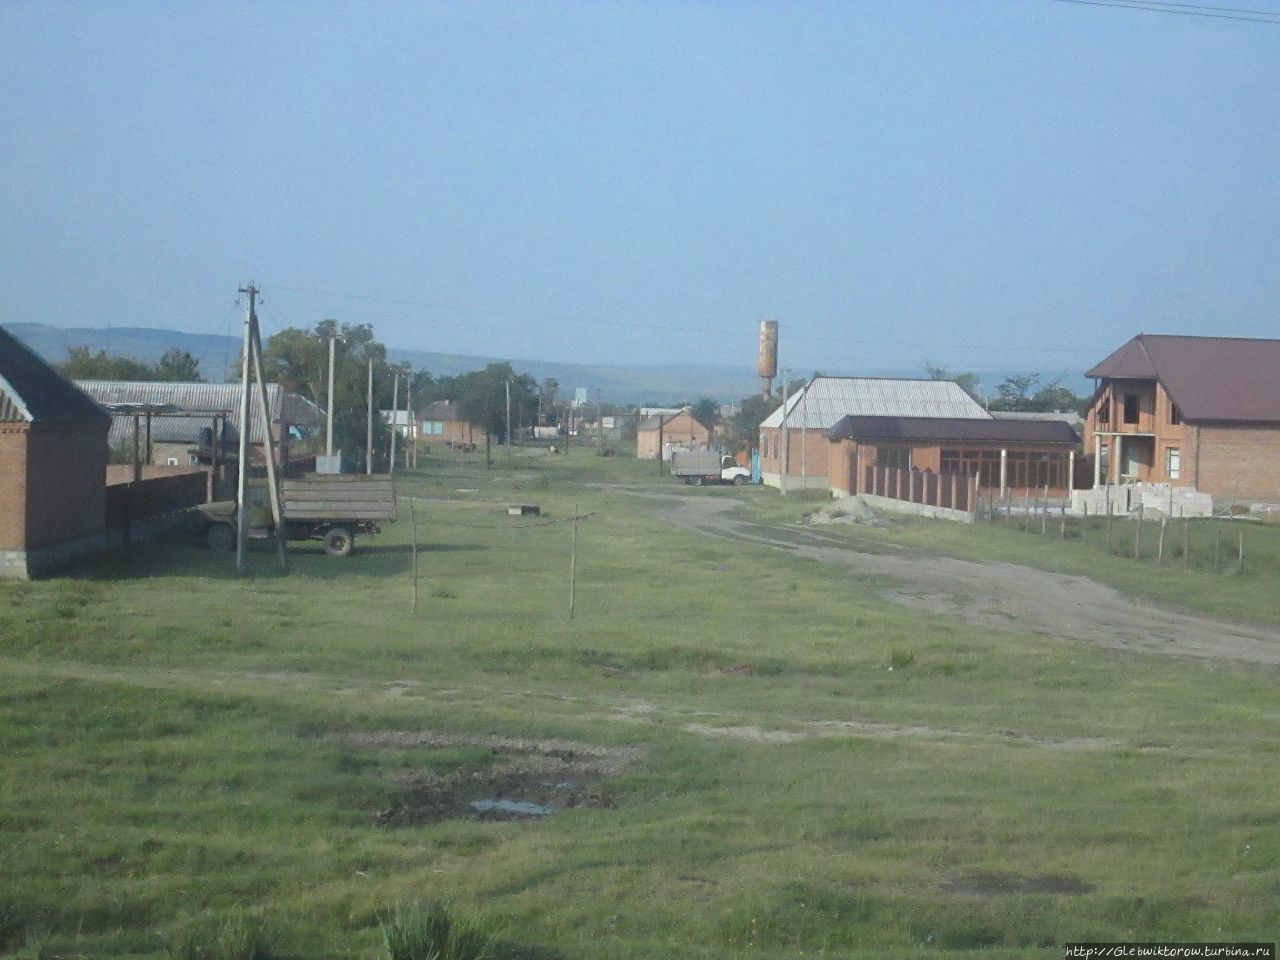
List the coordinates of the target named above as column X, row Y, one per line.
column 433, row 427
column 1175, row 415
column 1174, row 463
column 898, row 458
column 1131, row 408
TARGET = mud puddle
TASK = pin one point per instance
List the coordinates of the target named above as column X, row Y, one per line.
column 523, row 780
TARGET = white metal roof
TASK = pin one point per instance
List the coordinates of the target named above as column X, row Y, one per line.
column 824, row 401
column 204, row 398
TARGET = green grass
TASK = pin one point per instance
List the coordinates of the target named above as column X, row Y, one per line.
column 179, row 746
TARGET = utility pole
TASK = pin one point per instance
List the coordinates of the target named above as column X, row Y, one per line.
column 600, row 421
column 786, row 445
column 395, row 403
column 328, row 427
column 410, row 437
column 507, row 383
column 368, row 442
column 242, row 512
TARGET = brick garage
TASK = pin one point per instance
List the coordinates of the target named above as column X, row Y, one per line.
column 53, row 459
column 662, row 430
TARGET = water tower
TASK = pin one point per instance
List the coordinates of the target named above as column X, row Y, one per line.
column 767, row 364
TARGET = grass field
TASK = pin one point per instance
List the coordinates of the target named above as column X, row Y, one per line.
column 757, row 754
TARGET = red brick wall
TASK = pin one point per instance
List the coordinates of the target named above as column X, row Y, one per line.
column 66, row 482
column 13, row 486
column 1236, row 462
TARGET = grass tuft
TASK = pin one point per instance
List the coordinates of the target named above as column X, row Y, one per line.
column 428, row 932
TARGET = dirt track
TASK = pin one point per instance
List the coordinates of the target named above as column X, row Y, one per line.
column 999, row 596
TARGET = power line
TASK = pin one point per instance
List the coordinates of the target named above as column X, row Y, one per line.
column 627, row 325
column 1183, row 9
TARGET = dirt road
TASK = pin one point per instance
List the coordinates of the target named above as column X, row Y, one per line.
column 999, row 596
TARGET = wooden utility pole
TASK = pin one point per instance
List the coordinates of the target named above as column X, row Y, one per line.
column 268, row 442
column 368, row 441
column 242, row 477
column 506, row 383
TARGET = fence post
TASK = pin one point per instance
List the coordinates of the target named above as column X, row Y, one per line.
column 1186, row 544
column 1063, row 533
column 1217, row 545
column 1084, row 528
column 1241, row 567
column 1160, row 548
column 1137, row 539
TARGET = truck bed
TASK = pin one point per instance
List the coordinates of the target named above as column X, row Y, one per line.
column 339, row 497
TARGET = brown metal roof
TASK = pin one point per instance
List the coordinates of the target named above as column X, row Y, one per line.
column 1209, row 378
column 33, row 391
column 953, row 430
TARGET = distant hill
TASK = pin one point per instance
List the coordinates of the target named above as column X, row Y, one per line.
column 665, row 384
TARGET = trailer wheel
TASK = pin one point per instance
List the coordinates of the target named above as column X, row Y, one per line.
column 338, row 541
column 220, row 537
column 695, row 481
column 739, row 481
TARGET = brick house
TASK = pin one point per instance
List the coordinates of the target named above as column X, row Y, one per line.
column 1200, row 412
column 53, row 464
column 822, row 402
column 661, row 431
column 1007, row 456
column 443, row 422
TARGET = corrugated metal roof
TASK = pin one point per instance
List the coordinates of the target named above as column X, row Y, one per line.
column 954, row 430
column 821, row 403
column 207, row 398
column 1217, row 379
column 33, row 391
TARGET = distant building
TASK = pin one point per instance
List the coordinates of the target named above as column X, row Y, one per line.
column 820, row 404
column 1199, row 412
column 443, row 423
column 658, row 435
column 53, row 461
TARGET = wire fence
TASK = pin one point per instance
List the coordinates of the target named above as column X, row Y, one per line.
column 1219, row 544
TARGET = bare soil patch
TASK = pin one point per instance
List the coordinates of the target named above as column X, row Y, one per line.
column 528, row 779
column 989, row 884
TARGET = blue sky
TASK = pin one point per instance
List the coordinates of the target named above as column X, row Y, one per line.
column 996, row 184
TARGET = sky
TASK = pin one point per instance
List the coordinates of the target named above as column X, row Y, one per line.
column 984, row 184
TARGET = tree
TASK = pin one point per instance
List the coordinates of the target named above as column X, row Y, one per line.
column 744, row 426
column 175, row 366
column 482, row 399
column 967, row 381
column 299, row 360
column 1016, row 395
column 706, row 411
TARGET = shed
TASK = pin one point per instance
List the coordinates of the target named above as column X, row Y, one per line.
column 53, row 464
column 658, row 434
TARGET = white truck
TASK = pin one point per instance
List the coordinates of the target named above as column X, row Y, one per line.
column 696, row 467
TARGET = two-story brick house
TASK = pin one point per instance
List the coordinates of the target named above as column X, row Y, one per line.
column 1199, row 412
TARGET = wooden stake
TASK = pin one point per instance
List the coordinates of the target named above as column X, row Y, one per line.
column 1137, row 537
column 1240, row 569
column 1109, row 527
column 1160, row 547
column 1217, row 546
column 413, row 522
column 1084, row 527
column 1186, row 545
column 573, row 561
column 1063, row 531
